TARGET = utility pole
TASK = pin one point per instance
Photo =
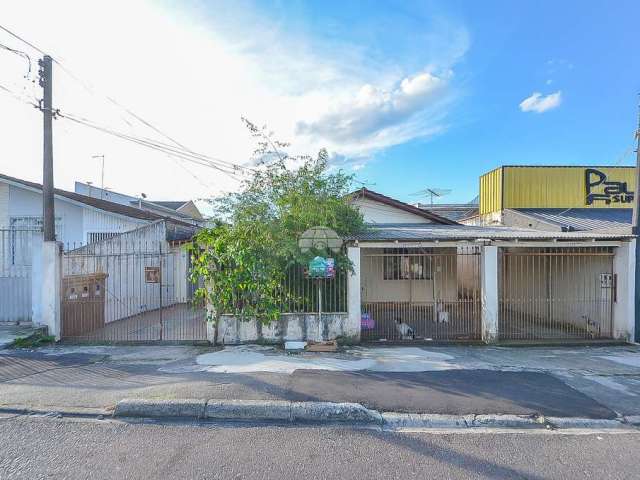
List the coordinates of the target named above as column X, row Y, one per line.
column 635, row 229
column 48, row 214
column 102, row 181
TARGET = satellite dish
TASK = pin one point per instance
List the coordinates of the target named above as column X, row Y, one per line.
column 320, row 238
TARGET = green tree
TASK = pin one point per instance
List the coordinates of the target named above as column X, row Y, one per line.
column 243, row 260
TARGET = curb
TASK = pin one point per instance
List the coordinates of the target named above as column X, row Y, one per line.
column 246, row 410
column 349, row 414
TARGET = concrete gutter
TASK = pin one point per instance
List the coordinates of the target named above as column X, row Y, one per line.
column 353, row 414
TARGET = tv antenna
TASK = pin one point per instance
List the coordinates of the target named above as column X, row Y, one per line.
column 432, row 193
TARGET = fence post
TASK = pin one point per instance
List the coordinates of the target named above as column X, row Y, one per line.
column 489, row 293
column 36, row 277
column 50, row 287
column 624, row 265
column 353, row 295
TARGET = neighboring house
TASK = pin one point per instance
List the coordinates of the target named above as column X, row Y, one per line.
column 79, row 219
column 557, row 198
column 453, row 211
column 184, row 210
column 380, row 209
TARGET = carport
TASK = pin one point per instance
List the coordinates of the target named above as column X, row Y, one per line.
column 458, row 283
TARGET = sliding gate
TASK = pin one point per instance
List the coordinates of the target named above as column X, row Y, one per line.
column 424, row 294
column 556, row 293
column 120, row 291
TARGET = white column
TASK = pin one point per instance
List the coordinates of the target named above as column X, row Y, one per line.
column 489, row 293
column 36, row 277
column 624, row 264
column 352, row 328
column 51, row 288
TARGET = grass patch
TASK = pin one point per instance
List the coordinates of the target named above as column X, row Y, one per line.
column 34, row 341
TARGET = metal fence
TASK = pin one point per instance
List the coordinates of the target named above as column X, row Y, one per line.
column 123, row 290
column 556, row 293
column 16, row 250
column 300, row 294
column 421, row 294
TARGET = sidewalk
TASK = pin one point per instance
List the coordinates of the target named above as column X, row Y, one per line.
column 587, row 382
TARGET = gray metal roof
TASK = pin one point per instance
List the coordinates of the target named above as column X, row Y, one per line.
column 455, row 212
column 430, row 232
column 573, row 219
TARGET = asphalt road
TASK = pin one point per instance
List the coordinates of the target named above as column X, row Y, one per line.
column 32, row 379
column 74, row 449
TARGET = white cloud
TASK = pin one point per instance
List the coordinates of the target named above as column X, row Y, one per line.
column 540, row 103
column 194, row 76
column 371, row 113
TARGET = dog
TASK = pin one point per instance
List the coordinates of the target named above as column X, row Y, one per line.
column 405, row 330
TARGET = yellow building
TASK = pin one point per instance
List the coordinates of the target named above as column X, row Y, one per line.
column 510, row 193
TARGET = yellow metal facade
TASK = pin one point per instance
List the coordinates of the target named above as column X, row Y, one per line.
column 557, row 187
column 491, row 191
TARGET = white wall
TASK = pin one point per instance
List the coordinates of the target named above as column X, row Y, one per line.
column 376, row 212
column 4, row 205
column 23, row 203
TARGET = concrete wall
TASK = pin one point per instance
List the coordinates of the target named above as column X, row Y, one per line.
column 624, row 307
column 290, row 326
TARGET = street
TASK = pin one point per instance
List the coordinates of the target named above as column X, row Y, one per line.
column 86, row 448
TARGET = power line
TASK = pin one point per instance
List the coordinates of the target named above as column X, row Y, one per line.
column 18, row 37
column 22, row 54
column 194, row 158
column 137, row 117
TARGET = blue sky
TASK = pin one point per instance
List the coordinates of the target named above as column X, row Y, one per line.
column 405, row 94
column 582, row 49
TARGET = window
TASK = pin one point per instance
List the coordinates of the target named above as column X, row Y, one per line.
column 20, row 229
column 405, row 264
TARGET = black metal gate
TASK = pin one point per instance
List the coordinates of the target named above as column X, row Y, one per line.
column 424, row 294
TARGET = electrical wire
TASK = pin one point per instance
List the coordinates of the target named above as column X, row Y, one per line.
column 154, row 146
column 22, row 54
column 111, row 100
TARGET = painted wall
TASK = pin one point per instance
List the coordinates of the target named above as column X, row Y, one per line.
column 26, row 203
column 376, row 212
column 4, row 205
column 290, row 327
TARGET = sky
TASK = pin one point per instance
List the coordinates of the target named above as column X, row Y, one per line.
column 404, row 95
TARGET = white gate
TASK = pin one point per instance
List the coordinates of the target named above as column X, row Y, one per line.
column 15, row 275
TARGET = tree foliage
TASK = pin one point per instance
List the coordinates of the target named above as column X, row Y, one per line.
column 243, row 259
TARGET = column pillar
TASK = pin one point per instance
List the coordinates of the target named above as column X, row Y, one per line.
column 489, row 293
column 50, row 287
column 624, row 265
column 353, row 295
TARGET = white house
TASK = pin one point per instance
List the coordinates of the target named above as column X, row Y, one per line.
column 183, row 210
column 79, row 220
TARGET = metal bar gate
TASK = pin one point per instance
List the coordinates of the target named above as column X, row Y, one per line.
column 556, row 293
column 425, row 294
column 16, row 248
column 129, row 291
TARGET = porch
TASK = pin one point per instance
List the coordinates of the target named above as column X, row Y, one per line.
column 472, row 284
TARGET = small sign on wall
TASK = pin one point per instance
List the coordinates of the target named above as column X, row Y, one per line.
column 152, row 274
